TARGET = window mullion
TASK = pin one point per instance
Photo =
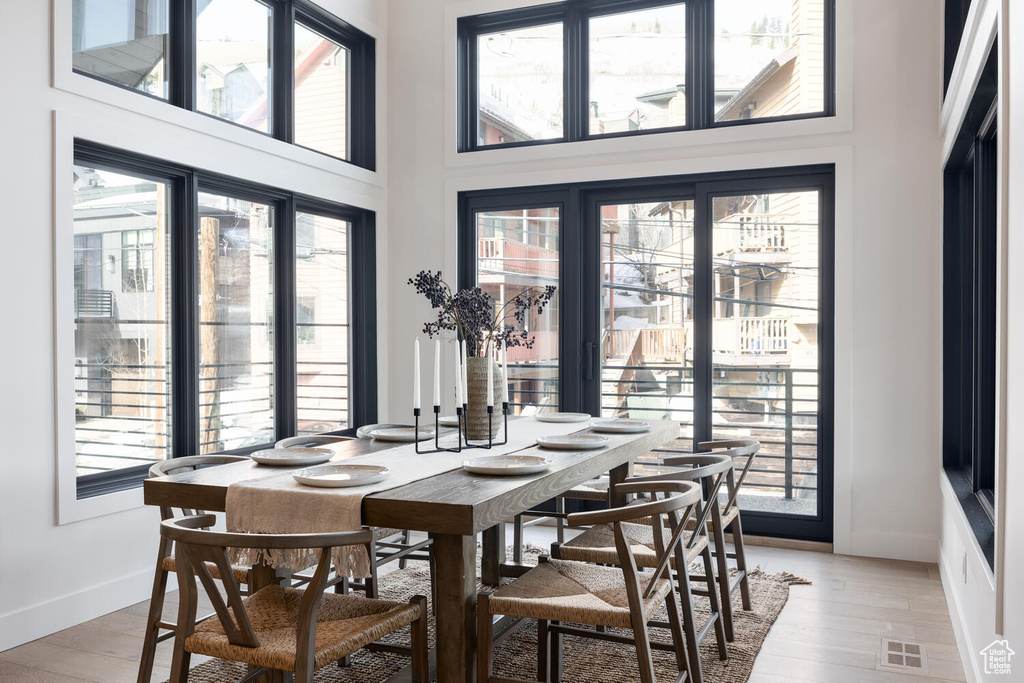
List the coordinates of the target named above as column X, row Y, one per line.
column 285, row 379
column 283, row 72
column 575, row 74
column 700, row 70
column 703, row 315
column 184, row 317
column 363, row 308
column 182, row 54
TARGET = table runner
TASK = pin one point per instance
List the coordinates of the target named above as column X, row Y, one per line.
column 277, row 504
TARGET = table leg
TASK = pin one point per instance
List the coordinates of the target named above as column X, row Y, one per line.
column 493, row 555
column 264, row 575
column 617, row 475
column 455, row 561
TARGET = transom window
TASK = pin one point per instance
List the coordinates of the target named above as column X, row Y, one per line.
column 286, row 68
column 580, row 70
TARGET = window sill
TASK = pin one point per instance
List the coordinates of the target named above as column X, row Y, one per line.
column 977, row 518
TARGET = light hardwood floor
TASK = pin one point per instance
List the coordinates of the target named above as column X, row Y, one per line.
column 832, row 631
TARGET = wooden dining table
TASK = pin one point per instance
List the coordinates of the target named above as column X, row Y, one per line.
column 453, row 508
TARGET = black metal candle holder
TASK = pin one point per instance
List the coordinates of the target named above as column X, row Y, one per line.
column 463, row 430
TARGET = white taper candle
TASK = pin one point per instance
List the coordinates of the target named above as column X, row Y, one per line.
column 504, row 373
column 416, row 375
column 458, row 378
column 437, row 372
column 465, row 373
column 490, row 379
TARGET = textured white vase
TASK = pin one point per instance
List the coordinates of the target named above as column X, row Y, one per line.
column 476, row 382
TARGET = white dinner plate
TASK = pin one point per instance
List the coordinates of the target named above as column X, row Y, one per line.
column 407, row 434
column 449, row 421
column 620, row 426
column 507, row 465
column 573, row 442
column 292, row 457
column 310, row 440
column 562, row 417
column 364, row 431
column 337, row 476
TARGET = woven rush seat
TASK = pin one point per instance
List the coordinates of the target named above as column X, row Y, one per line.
column 597, row 544
column 241, row 574
column 380, row 533
column 573, row 592
column 345, row 623
column 595, row 489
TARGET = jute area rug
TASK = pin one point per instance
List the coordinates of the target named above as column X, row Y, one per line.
column 584, row 660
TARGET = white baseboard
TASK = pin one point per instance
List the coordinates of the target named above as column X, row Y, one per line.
column 894, row 546
column 968, row 657
column 30, row 623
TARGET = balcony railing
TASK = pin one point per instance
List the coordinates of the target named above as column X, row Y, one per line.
column 661, row 343
column 751, row 336
column 752, row 233
column 504, row 256
column 94, row 303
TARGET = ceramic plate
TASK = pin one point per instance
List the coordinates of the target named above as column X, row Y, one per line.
column 562, row 417
column 573, row 442
column 620, row 426
column 449, row 421
column 336, row 476
column 310, row 441
column 290, row 457
column 507, row 465
column 402, row 434
column 364, row 431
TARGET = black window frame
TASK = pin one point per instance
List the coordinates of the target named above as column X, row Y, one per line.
column 952, row 34
column 184, row 185
column 361, row 109
column 970, row 294
column 574, row 16
column 580, row 281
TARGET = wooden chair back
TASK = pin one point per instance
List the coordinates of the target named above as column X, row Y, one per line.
column 196, row 546
column 189, row 463
column 733, row 448
column 678, row 495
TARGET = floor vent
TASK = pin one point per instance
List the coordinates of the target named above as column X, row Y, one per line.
column 898, row 654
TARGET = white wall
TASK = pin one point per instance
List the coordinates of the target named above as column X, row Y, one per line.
column 885, row 144
column 69, row 561
column 987, row 604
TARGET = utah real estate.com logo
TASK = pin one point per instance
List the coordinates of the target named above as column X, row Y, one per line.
column 996, row 657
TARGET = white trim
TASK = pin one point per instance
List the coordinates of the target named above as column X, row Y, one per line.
column 964, row 530
column 971, row 672
column 979, row 36
column 675, row 142
column 842, row 157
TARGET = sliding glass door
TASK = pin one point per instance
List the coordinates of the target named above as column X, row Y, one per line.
column 703, row 300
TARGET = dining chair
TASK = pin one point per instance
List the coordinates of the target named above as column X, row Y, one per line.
column 166, row 562
column 598, row 545
column 558, row 591
column 595, row 489
column 727, row 516
column 279, row 628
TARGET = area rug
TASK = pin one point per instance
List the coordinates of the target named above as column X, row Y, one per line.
column 584, row 660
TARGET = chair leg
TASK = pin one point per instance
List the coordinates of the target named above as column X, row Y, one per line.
column 741, row 561
column 723, row 579
column 555, row 656
column 405, row 539
column 484, row 638
column 517, row 539
column 156, row 609
column 716, row 610
column 543, row 651
column 420, row 649
column 560, row 519
column 641, row 638
column 342, row 588
column 688, row 657
column 371, row 581
column 432, row 569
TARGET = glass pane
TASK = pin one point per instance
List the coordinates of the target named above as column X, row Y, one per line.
column 765, row 342
column 322, row 330
column 769, row 58
column 236, row 323
column 647, row 335
column 233, row 61
column 321, row 93
column 122, row 334
column 518, row 250
column 638, row 70
column 124, row 41
column 519, row 85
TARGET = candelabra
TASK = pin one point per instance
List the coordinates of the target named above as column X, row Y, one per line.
column 463, row 430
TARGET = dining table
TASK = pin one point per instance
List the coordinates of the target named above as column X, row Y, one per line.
column 454, row 508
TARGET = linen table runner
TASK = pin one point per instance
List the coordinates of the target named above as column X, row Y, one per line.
column 277, row 504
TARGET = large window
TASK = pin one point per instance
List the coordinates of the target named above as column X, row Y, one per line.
column 703, row 300
column 970, row 238
column 243, row 291
column 578, row 70
column 286, row 68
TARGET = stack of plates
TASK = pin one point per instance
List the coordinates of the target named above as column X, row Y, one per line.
column 561, row 417
column 573, row 442
column 341, row 475
column 507, row 465
column 310, row 441
column 407, row 434
column 620, row 426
